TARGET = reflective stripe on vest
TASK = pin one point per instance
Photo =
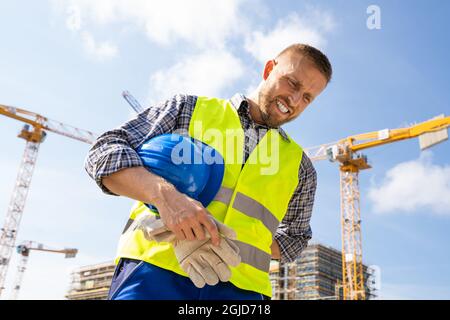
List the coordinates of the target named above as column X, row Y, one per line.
column 256, row 210
column 253, row 256
column 250, row 200
column 224, row 195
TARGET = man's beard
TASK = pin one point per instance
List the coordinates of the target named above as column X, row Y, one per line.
column 265, row 102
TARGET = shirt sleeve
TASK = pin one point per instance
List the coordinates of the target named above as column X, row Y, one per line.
column 294, row 231
column 114, row 150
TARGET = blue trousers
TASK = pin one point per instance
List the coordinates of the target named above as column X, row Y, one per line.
column 139, row 280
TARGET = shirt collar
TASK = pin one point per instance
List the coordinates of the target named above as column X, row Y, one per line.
column 240, row 103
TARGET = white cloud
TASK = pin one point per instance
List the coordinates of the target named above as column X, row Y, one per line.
column 414, row 185
column 98, row 50
column 309, row 28
column 207, row 74
column 201, row 22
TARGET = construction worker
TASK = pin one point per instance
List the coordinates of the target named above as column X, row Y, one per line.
column 266, row 194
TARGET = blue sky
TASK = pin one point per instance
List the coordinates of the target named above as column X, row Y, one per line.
column 70, row 61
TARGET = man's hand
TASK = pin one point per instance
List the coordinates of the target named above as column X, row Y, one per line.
column 203, row 262
column 185, row 217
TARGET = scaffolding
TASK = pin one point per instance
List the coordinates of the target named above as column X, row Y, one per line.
column 91, row 282
column 316, row 275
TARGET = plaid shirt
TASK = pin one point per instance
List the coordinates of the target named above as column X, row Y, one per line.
column 114, row 150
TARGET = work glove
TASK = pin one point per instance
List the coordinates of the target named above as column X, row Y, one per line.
column 206, row 263
column 200, row 259
column 153, row 228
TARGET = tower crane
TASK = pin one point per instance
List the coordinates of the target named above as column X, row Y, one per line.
column 33, row 132
column 346, row 152
column 24, row 250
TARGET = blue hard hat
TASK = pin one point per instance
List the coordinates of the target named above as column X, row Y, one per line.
column 192, row 166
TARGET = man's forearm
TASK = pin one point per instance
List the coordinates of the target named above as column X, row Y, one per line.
column 180, row 214
column 137, row 183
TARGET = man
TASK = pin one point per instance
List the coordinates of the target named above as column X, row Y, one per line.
column 278, row 229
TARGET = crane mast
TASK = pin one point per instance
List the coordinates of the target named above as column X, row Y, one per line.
column 18, row 198
column 21, row 267
column 351, row 234
column 34, row 133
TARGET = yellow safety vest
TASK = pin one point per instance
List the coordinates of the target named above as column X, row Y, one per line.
column 252, row 200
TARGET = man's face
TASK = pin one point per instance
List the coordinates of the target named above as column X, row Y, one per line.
column 290, row 84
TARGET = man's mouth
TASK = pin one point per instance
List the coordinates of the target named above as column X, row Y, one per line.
column 283, row 109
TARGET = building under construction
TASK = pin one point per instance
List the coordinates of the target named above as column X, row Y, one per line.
column 316, row 275
column 91, row 282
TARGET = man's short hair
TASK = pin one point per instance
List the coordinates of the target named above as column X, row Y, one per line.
column 319, row 59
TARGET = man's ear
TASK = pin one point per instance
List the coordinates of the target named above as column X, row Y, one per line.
column 268, row 68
